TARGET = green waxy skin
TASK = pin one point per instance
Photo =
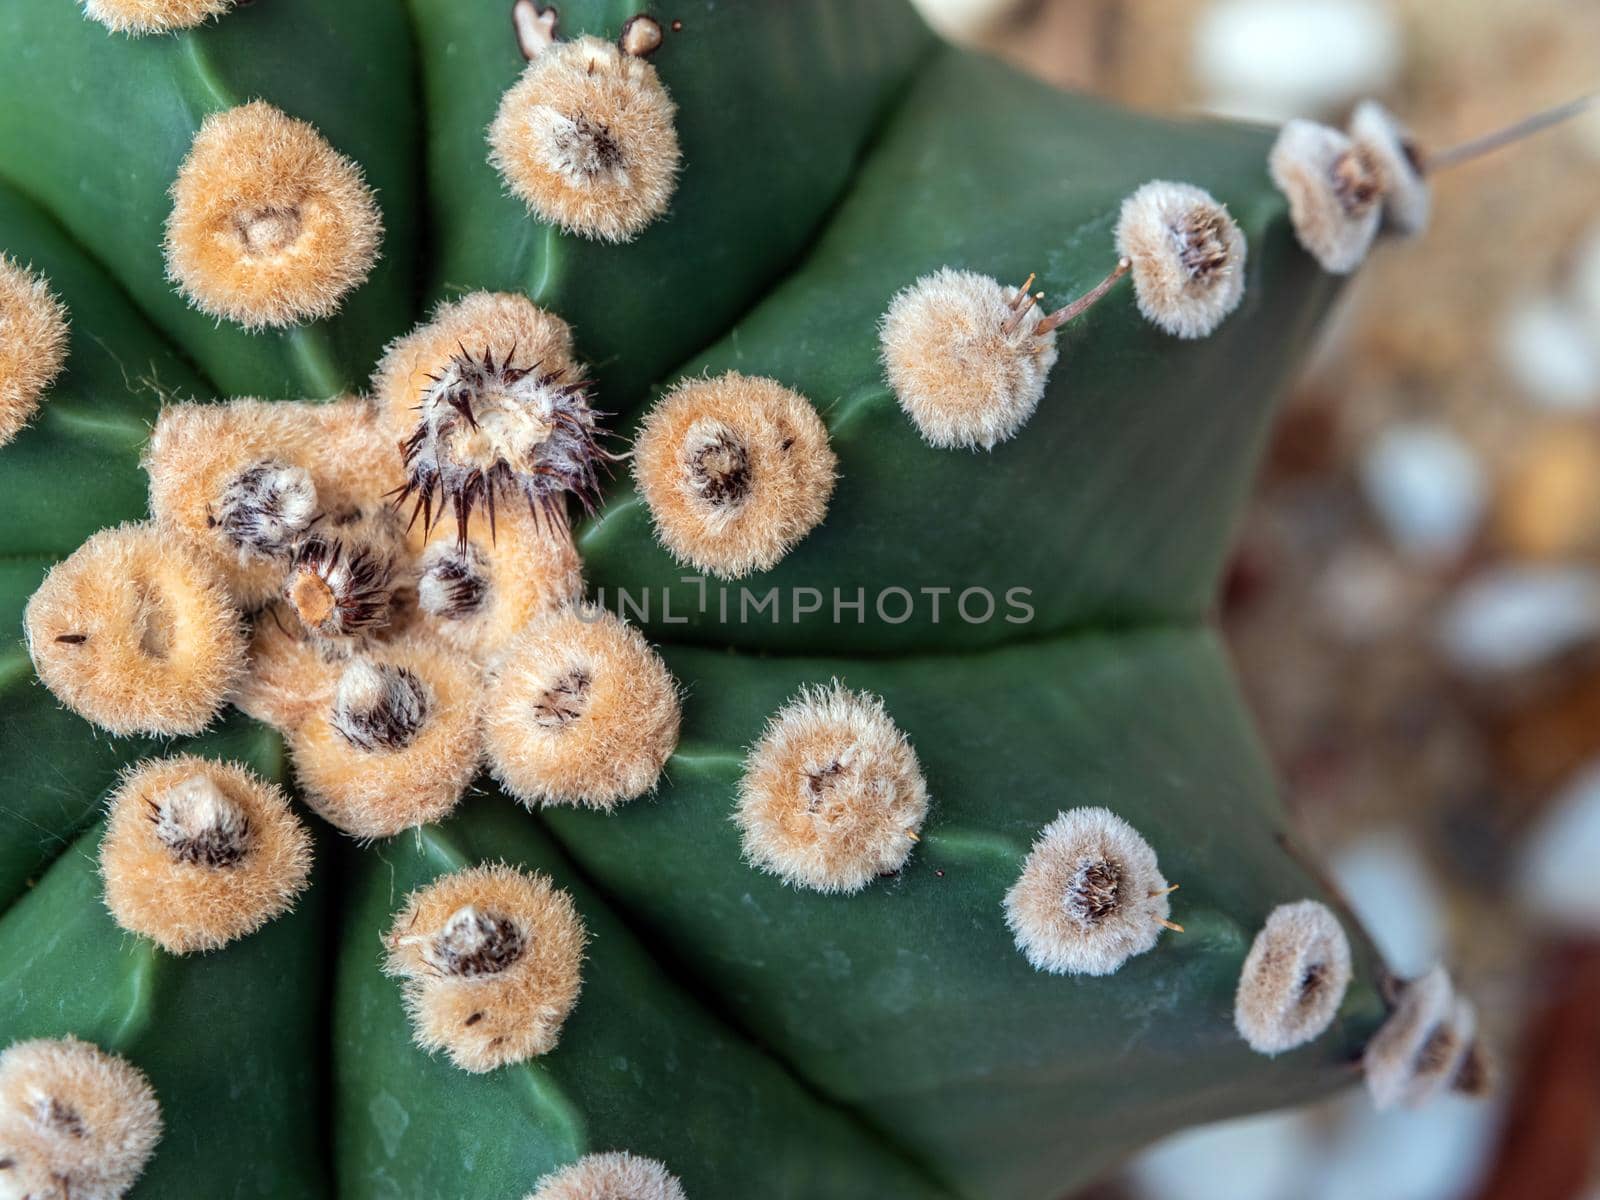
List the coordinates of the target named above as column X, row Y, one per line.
column 909, row 1001
column 1115, row 503
column 222, row 1037
column 639, row 1067
column 774, row 103
column 760, row 1040
column 95, row 125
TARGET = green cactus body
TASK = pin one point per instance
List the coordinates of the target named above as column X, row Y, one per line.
column 758, row 1038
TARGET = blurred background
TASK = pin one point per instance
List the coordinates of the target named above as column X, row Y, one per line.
column 1415, row 602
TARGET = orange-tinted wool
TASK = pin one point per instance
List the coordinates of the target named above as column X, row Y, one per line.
column 135, row 633
column 139, row 17
column 76, row 1123
column 397, row 744
column 491, row 958
column 586, row 139
column 199, row 852
column 580, row 710
column 736, row 470
column 33, row 344
column 241, row 482
column 270, row 225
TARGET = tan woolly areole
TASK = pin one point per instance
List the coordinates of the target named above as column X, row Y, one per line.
column 966, row 368
column 735, row 470
column 479, row 600
column 290, row 676
column 1335, row 192
column 832, row 796
column 1400, row 1061
column 494, row 985
column 1187, row 256
column 1407, row 198
column 76, row 1123
column 1293, row 979
column 139, row 17
column 1089, row 897
column 397, row 743
column 198, row 853
column 580, row 710
column 33, row 344
column 270, row 225
column 135, row 634
column 241, row 482
column 496, row 322
column 586, row 139
column 617, row 1175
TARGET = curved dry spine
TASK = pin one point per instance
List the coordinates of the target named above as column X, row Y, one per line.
column 397, row 744
column 735, row 470
column 198, row 852
column 966, row 357
column 1090, row 895
column 586, row 139
column 140, row 17
column 832, row 795
column 1400, row 1062
column 1335, row 187
column 479, row 598
column 1293, row 979
column 491, row 958
column 234, row 480
column 76, row 1123
column 270, row 225
column 489, row 404
column 135, row 634
column 605, row 1176
column 1187, row 257
column 33, row 344
column 1385, row 142
column 580, row 710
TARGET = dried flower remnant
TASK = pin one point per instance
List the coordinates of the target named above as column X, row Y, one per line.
column 832, row 795
column 397, row 745
column 1401, row 1060
column 339, row 588
column 616, row 1175
column 491, row 959
column 135, row 634
column 140, row 17
column 76, row 1123
column 1090, row 895
column 1335, row 188
column 580, row 710
column 1382, row 139
column 735, row 471
column 585, row 138
column 270, row 225
column 33, row 344
column 488, row 402
column 198, row 853
column 641, row 36
column 479, row 598
column 1293, row 979
column 1187, row 256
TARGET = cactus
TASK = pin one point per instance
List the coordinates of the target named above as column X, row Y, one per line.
column 957, row 871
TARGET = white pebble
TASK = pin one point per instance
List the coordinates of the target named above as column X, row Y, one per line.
column 1553, row 354
column 1394, row 896
column 1256, row 1158
column 1268, row 60
column 1513, row 618
column 1427, row 487
column 1556, row 877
